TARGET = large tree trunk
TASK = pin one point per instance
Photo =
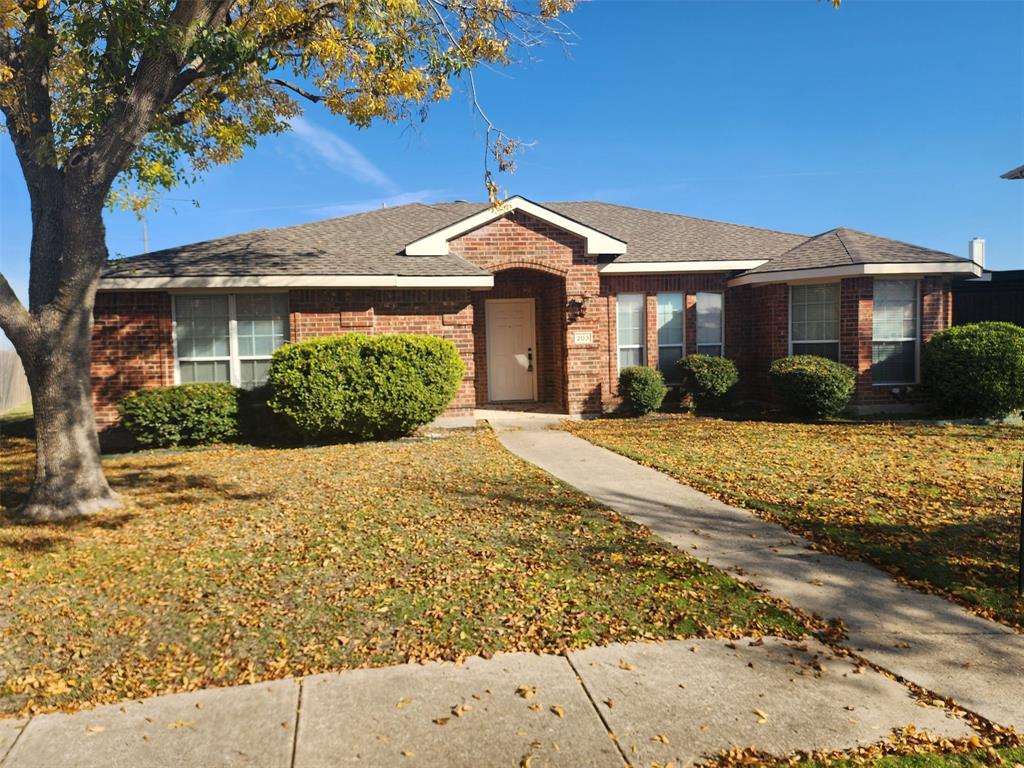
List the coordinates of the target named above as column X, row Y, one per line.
column 68, row 253
column 69, row 479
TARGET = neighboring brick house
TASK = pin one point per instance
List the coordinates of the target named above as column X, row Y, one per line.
column 544, row 302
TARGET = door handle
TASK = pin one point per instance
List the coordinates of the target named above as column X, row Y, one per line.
column 529, row 359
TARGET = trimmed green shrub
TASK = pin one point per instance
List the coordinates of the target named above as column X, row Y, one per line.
column 188, row 414
column 642, row 389
column 708, row 378
column 258, row 424
column 364, row 387
column 976, row 369
column 812, row 386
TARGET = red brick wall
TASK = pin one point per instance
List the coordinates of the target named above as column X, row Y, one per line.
column 132, row 348
column 519, row 241
column 769, row 334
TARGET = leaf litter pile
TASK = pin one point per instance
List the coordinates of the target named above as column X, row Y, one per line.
column 936, row 505
column 236, row 564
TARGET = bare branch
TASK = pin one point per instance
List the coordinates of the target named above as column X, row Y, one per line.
column 316, row 98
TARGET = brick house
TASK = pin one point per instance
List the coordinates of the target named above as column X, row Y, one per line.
column 545, row 303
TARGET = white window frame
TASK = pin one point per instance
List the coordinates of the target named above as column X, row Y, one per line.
column 642, row 346
column 916, row 338
column 234, row 360
column 837, row 342
column 682, row 325
column 696, row 310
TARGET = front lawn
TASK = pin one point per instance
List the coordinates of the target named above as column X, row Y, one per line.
column 234, row 564
column 935, row 505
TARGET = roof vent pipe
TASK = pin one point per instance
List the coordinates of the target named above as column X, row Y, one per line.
column 976, row 251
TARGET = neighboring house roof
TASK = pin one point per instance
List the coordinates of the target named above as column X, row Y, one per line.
column 369, row 249
column 1016, row 173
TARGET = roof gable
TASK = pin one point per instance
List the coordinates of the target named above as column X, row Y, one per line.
column 437, row 242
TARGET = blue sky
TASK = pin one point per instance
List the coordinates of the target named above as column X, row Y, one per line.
column 892, row 117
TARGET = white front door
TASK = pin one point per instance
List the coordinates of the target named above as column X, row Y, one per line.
column 511, row 350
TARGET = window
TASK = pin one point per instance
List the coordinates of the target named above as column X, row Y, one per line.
column 631, row 329
column 670, row 335
column 221, row 337
column 894, row 334
column 709, row 324
column 814, row 320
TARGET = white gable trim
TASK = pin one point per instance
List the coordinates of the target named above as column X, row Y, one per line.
column 661, row 267
column 294, row 281
column 888, row 269
column 436, row 244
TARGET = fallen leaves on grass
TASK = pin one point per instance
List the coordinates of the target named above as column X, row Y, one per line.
column 937, row 506
column 235, row 564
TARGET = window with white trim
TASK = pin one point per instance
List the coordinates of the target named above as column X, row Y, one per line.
column 894, row 336
column 670, row 335
column 709, row 323
column 631, row 322
column 814, row 320
column 228, row 337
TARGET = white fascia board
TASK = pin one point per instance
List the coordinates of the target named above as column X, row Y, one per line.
column 436, row 244
column 889, row 269
column 294, row 281
column 661, row 267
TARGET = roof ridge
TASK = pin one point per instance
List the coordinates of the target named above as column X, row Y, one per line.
column 677, row 215
column 848, row 247
column 861, row 232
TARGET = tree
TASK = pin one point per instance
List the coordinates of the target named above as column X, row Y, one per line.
column 113, row 100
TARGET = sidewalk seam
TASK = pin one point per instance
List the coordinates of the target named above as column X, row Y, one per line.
column 298, row 715
column 600, row 716
column 5, row 755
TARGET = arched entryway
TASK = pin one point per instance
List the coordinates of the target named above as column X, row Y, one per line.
column 519, row 329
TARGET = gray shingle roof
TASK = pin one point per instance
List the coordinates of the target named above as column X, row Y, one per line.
column 842, row 247
column 372, row 243
column 363, row 244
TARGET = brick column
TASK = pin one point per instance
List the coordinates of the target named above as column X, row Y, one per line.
column 856, row 305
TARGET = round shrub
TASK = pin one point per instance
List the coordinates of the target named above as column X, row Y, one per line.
column 708, row 378
column 812, row 386
column 976, row 369
column 188, row 414
column 364, row 387
column 642, row 389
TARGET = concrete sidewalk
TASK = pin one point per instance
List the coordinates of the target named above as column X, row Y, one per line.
column 621, row 704
column 922, row 638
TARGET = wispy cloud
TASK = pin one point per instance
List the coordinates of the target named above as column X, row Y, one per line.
column 340, row 155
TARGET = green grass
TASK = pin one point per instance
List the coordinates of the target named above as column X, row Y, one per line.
column 935, row 505
column 976, row 759
column 235, row 564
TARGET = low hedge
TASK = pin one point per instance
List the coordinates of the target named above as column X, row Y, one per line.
column 708, row 378
column 812, row 386
column 188, row 414
column 642, row 389
column 976, row 369
column 364, row 387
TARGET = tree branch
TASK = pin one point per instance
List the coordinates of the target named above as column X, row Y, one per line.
column 316, row 98
column 15, row 320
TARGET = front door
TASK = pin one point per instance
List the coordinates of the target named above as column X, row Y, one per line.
column 511, row 345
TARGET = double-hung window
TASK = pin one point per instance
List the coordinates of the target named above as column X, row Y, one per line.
column 228, row 337
column 670, row 335
column 709, row 324
column 814, row 320
column 631, row 322
column 895, row 332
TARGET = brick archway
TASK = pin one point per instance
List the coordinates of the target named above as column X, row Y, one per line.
column 547, row 288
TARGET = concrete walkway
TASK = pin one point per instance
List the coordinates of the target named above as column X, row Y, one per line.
column 922, row 638
column 630, row 704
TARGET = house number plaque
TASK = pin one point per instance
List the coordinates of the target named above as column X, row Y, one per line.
column 583, row 337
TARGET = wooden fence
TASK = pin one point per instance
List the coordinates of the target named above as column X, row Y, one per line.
column 13, row 384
